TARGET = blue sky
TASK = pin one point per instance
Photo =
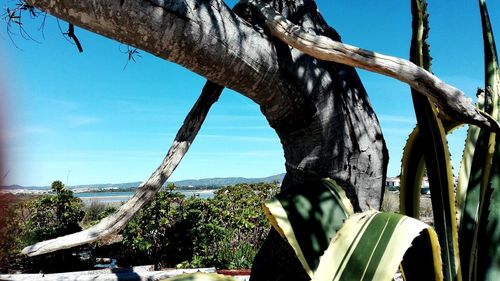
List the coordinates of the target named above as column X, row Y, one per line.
column 82, row 118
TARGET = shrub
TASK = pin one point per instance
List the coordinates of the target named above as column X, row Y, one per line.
column 10, row 230
column 53, row 215
column 41, row 218
column 95, row 212
column 224, row 231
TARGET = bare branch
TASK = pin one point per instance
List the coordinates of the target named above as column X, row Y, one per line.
column 71, row 34
column 448, row 98
column 147, row 189
column 132, row 53
column 14, row 17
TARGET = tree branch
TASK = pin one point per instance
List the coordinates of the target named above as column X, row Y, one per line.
column 447, row 97
column 146, row 191
column 206, row 37
column 71, row 34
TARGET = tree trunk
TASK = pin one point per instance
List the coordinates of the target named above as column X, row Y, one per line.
column 335, row 134
column 319, row 109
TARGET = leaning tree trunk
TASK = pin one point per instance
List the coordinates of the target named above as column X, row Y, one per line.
column 333, row 133
column 319, row 109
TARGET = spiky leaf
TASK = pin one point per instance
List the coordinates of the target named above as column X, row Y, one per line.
column 471, row 210
column 437, row 158
column 488, row 254
column 309, row 217
column 412, row 173
column 466, row 163
column 371, row 245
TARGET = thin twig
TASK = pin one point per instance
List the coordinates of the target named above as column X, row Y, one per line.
column 71, row 34
column 14, row 16
column 130, row 55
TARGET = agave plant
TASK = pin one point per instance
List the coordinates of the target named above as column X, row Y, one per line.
column 479, row 180
column 333, row 243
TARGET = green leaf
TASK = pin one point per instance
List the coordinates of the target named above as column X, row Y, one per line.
column 488, row 231
column 488, row 253
column 308, row 218
column 371, row 245
column 412, row 172
column 437, row 158
column 466, row 163
column 471, row 211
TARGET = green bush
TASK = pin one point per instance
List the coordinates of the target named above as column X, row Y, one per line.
column 32, row 220
column 224, row 231
column 10, row 230
column 53, row 215
column 95, row 212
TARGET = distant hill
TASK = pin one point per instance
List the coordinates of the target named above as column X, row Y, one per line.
column 200, row 183
column 218, row 182
column 85, row 186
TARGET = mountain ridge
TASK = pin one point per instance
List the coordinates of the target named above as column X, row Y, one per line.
column 188, row 183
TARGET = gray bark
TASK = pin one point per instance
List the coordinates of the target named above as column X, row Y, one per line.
column 319, row 109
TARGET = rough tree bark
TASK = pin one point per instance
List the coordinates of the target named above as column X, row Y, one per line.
column 319, row 109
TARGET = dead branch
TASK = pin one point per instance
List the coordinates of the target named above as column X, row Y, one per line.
column 450, row 99
column 147, row 189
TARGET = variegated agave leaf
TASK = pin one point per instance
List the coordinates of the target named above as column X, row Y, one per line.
column 435, row 150
column 309, row 217
column 371, row 245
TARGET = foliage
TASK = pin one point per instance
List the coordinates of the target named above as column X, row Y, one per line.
column 224, row 231
column 308, row 217
column 475, row 197
column 36, row 219
column 480, row 218
column 53, row 215
column 10, row 232
column 371, row 245
column 95, row 212
column 151, row 235
column 434, row 150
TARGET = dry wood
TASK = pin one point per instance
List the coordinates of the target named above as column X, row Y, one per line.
column 147, row 189
column 450, row 99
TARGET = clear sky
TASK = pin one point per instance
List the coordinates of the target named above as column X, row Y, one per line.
column 83, row 118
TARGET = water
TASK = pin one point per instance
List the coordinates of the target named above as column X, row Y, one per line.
column 104, row 194
column 122, row 196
